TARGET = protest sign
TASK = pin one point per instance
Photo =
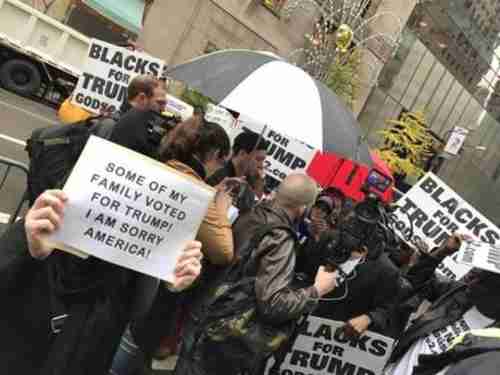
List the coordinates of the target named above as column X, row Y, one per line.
column 436, row 211
column 456, row 140
column 480, row 255
column 321, row 348
column 285, row 155
column 107, row 71
column 130, row 210
column 223, row 117
column 179, row 107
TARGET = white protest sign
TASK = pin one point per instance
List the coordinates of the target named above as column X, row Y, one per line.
column 285, row 155
column 456, row 140
column 179, row 107
column 322, row 348
column 437, row 211
column 130, row 210
column 107, row 71
column 481, row 255
column 223, row 117
column 440, row 340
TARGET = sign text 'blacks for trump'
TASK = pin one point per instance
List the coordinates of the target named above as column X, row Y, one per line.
column 323, row 348
column 434, row 211
column 108, row 70
column 130, row 210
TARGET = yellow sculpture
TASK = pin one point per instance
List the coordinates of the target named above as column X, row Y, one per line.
column 344, row 38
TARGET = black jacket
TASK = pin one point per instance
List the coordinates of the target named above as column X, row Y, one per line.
column 133, row 130
column 475, row 354
column 371, row 291
column 449, row 302
column 246, row 199
column 96, row 295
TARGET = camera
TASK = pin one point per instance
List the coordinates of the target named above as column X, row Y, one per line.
column 360, row 229
column 159, row 125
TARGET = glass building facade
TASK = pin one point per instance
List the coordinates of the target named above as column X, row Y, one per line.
column 419, row 78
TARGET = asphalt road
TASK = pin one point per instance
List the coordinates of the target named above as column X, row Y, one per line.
column 18, row 118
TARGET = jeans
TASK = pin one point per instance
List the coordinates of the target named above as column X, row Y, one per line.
column 129, row 358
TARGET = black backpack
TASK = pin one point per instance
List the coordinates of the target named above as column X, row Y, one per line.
column 54, row 150
column 231, row 325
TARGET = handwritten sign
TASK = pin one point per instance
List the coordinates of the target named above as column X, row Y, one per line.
column 436, row 211
column 322, row 348
column 130, row 210
column 106, row 74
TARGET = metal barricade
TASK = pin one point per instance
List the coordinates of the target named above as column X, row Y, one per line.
column 11, row 165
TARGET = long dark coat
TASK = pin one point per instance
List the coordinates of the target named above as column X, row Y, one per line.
column 93, row 293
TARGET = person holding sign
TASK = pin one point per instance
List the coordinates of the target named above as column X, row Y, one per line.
column 365, row 298
column 457, row 307
column 193, row 148
column 62, row 314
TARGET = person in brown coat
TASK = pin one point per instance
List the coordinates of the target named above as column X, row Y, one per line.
column 194, row 148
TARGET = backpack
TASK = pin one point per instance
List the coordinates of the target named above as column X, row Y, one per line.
column 54, row 150
column 231, row 326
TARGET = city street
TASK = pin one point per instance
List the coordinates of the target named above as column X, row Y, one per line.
column 20, row 116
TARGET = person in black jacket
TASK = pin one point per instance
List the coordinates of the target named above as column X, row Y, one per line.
column 457, row 307
column 247, row 161
column 60, row 314
column 475, row 352
column 135, row 121
column 145, row 93
column 364, row 300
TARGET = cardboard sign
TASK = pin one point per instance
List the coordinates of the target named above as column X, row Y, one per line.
column 285, row 155
column 456, row 140
column 436, row 211
column 130, row 210
column 106, row 74
column 179, row 107
column 322, row 348
column 480, row 255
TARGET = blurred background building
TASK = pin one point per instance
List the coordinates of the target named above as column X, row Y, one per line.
column 448, row 66
column 447, row 63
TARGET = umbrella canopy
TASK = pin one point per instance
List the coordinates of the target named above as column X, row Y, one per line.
column 281, row 95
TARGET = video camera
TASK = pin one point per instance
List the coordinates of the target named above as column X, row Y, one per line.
column 160, row 124
column 360, row 229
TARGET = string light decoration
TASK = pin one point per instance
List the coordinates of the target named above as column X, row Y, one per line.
column 343, row 27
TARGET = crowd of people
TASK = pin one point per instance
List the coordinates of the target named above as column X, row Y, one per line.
column 261, row 262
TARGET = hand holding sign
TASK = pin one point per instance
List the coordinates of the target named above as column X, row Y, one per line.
column 357, row 326
column 42, row 220
column 130, row 210
column 188, row 266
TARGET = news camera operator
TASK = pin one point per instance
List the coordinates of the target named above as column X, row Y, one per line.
column 139, row 121
column 365, row 298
